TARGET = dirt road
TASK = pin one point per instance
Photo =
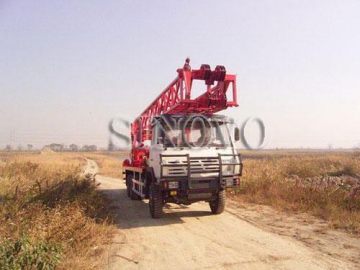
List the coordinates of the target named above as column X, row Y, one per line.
column 243, row 237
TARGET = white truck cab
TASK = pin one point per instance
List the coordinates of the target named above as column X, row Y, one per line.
column 191, row 158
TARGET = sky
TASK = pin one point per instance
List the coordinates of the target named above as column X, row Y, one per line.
column 68, row 67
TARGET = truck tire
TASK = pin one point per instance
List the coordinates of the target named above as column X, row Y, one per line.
column 218, row 206
column 149, row 180
column 155, row 202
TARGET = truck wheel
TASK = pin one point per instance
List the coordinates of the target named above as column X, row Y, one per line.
column 149, row 180
column 218, row 206
column 155, row 202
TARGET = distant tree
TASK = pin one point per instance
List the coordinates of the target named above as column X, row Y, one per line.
column 89, row 148
column 56, row 147
column 19, row 147
column 85, row 148
column 92, row 148
column 73, row 147
column 8, row 147
column 29, row 146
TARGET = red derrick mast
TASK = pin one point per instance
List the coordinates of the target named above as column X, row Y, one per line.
column 176, row 99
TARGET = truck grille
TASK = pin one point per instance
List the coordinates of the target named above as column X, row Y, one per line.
column 199, row 173
column 197, row 166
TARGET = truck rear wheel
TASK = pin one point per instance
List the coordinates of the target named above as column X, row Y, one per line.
column 155, row 202
column 218, row 206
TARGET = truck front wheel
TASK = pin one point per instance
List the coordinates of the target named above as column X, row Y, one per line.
column 155, row 201
column 217, row 206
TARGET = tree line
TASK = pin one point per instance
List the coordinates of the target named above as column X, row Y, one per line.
column 57, row 147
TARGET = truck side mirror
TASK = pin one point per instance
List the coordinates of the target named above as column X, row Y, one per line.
column 237, row 134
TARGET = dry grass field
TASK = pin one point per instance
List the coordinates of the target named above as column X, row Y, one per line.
column 50, row 215
column 324, row 183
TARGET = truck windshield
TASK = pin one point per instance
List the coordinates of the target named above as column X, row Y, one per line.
column 194, row 133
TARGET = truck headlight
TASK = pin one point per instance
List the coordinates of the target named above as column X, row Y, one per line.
column 227, row 169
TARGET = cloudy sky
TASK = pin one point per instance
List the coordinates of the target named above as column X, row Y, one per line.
column 68, row 67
